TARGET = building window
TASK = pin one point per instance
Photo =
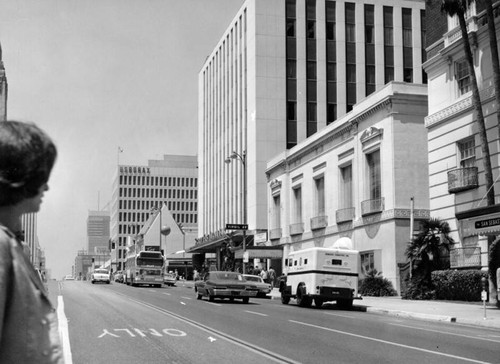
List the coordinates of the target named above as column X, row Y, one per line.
column 367, row 262
column 388, row 45
column 350, row 37
column 320, row 196
column 407, row 46
column 346, row 199
column 277, row 211
column 463, row 77
column 311, row 67
column 297, row 207
column 374, row 175
column 331, row 63
column 369, row 49
column 291, row 72
column 467, row 149
column 423, row 29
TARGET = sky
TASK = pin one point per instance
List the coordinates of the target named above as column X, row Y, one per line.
column 98, row 75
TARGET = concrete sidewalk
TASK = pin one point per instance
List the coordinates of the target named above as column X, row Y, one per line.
column 467, row 313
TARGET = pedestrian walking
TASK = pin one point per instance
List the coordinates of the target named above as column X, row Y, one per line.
column 264, row 275
column 28, row 326
column 272, row 276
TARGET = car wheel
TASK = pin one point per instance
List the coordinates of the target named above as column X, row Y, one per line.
column 93, row 282
column 246, row 299
column 211, row 297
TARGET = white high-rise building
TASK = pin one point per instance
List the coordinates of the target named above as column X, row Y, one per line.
column 282, row 71
column 138, row 191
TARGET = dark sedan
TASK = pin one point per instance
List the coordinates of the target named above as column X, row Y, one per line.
column 230, row 285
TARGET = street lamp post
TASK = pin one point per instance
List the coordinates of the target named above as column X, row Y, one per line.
column 243, row 159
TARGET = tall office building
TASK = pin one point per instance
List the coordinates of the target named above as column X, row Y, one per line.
column 282, row 71
column 138, row 191
column 98, row 223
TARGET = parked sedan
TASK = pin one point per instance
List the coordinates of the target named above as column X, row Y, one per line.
column 100, row 275
column 119, row 276
column 218, row 284
column 264, row 288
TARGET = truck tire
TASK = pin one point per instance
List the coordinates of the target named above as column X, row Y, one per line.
column 344, row 304
column 303, row 300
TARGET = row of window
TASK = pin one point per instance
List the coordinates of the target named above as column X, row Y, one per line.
column 158, row 181
column 157, row 193
column 345, row 191
column 172, row 206
column 148, row 205
column 351, row 58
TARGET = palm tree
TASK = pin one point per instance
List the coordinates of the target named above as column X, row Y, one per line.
column 458, row 8
column 430, row 246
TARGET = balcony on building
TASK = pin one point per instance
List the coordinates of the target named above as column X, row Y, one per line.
column 275, row 233
column 373, row 206
column 469, row 257
column 345, row 215
column 297, row 228
column 319, row 222
column 462, row 179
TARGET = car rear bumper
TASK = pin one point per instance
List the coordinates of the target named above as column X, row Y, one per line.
column 234, row 293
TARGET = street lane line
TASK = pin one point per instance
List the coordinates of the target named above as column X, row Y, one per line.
column 168, row 294
column 447, row 333
column 256, row 313
column 390, row 342
column 258, row 350
column 336, row 314
column 187, row 298
column 63, row 331
column 214, row 304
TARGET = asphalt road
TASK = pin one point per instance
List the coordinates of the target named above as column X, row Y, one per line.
column 121, row 324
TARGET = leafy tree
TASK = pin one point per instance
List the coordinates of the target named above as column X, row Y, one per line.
column 429, row 247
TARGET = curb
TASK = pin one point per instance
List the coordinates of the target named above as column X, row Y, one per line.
column 405, row 314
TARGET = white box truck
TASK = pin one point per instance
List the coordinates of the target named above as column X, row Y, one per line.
column 321, row 275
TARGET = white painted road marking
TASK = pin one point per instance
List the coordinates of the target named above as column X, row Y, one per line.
column 63, row 331
column 257, row 313
column 389, row 342
column 448, row 333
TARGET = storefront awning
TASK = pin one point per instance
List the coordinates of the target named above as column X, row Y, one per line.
column 480, row 221
column 260, row 252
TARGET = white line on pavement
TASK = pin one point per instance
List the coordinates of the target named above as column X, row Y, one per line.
column 168, row 294
column 63, row 330
column 187, row 298
column 447, row 333
column 389, row 342
column 256, row 313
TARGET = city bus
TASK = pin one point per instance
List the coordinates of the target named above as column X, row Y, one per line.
column 321, row 275
column 144, row 268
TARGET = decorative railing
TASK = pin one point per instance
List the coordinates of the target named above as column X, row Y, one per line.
column 345, row 215
column 462, row 179
column 319, row 222
column 373, row 206
column 275, row 233
column 465, row 257
column 297, row 228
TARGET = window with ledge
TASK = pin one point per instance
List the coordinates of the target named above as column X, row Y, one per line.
column 374, row 175
column 297, row 207
column 367, row 262
column 276, row 212
column 467, row 149
column 462, row 76
column 346, row 200
column 320, row 196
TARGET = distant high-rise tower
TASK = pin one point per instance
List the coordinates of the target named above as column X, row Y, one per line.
column 139, row 190
column 98, row 224
column 3, row 90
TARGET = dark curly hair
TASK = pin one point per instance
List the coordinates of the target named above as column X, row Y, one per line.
column 27, row 156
